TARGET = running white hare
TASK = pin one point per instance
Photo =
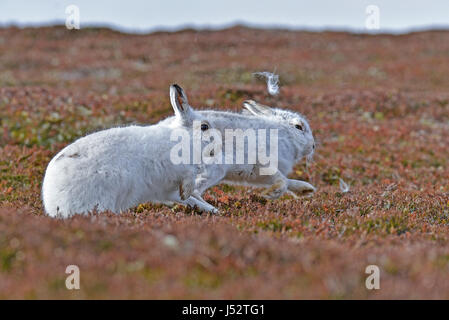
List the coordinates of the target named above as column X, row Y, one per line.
column 295, row 141
column 119, row 168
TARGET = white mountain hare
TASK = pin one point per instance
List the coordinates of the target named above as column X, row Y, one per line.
column 119, row 168
column 295, row 141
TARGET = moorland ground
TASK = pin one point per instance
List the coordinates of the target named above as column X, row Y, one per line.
column 378, row 105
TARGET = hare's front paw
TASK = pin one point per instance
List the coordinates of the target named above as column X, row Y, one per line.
column 300, row 187
column 214, row 210
column 200, row 205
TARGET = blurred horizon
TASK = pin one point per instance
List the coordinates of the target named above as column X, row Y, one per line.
column 150, row 16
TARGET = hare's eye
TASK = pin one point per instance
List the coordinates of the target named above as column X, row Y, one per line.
column 298, row 126
column 204, row 126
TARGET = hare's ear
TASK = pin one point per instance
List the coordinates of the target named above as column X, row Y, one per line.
column 180, row 104
column 257, row 109
column 247, row 112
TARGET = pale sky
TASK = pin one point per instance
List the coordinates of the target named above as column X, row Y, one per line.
column 144, row 16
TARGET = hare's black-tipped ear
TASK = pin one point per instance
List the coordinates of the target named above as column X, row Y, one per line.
column 179, row 102
column 257, row 109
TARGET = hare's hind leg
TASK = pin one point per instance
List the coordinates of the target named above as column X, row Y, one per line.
column 300, row 187
column 278, row 185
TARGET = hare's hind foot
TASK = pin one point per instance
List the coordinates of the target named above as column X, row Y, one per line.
column 300, row 187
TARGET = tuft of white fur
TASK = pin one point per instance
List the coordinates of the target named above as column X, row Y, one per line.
column 344, row 187
column 272, row 81
column 119, row 168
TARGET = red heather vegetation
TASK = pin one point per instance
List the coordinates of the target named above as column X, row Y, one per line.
column 378, row 105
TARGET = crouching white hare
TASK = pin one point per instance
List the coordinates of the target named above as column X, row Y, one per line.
column 294, row 142
column 119, row 168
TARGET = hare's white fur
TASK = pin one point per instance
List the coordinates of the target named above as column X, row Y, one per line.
column 295, row 141
column 119, row 168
